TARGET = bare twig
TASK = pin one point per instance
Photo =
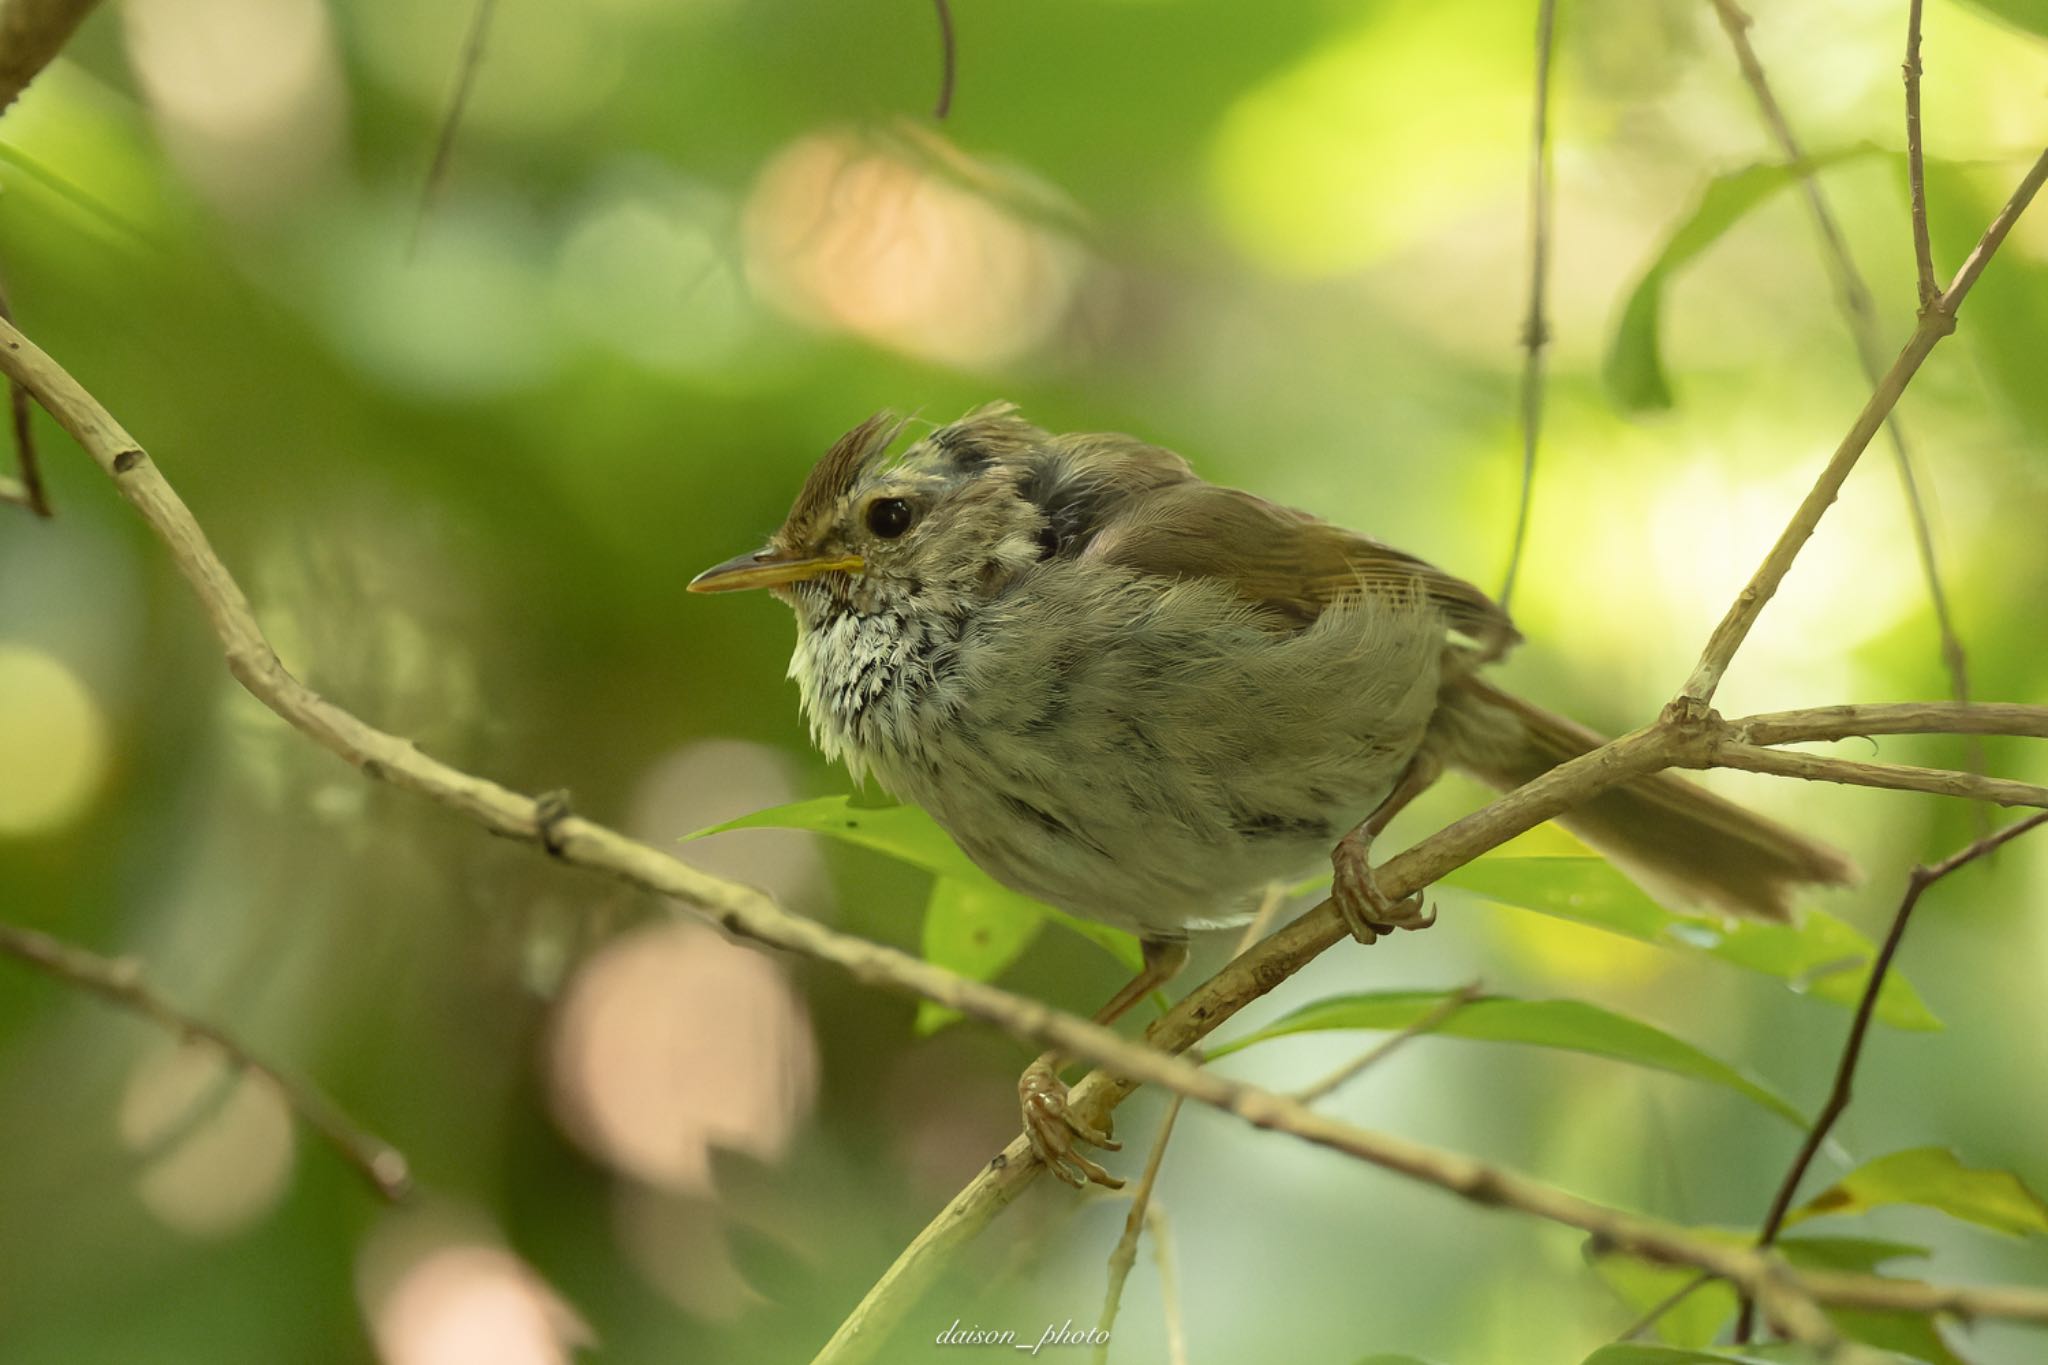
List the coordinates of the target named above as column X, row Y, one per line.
column 1536, row 322
column 1937, row 320
column 1429, row 1022
column 32, row 33
column 1917, row 883
column 28, row 492
column 1891, row 718
column 1169, row 1286
column 1718, row 753
column 1860, row 311
column 121, row 981
column 467, row 65
column 1125, row 1254
column 1916, row 167
column 948, row 59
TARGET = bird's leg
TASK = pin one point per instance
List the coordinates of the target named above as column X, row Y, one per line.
column 1051, row 1127
column 1367, row 910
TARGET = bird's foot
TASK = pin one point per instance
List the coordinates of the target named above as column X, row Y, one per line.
column 1053, row 1128
column 1368, row 911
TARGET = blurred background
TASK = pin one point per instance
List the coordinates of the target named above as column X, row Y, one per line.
column 464, row 463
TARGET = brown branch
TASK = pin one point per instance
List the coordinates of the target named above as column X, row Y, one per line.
column 467, row 66
column 1891, row 718
column 1916, row 169
column 948, row 59
column 1536, row 323
column 1937, row 320
column 121, row 981
column 1859, row 309
column 1917, row 883
column 32, row 33
column 1726, row 753
column 28, row 492
column 1124, row 1254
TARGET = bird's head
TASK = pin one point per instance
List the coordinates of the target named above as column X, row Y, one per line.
column 944, row 527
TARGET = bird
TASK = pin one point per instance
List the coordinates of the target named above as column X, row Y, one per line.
column 1143, row 698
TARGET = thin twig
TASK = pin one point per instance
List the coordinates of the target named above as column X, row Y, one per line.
column 1536, row 323
column 467, row 65
column 29, row 492
column 1937, row 320
column 1169, row 1286
column 1917, row 883
column 1428, row 1023
column 1125, row 1254
column 1657, row 1310
column 1891, row 718
column 1916, row 168
column 121, row 981
column 1859, row 309
column 1719, row 753
column 948, row 57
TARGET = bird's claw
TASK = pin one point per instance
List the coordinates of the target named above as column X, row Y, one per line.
column 1053, row 1128
column 1368, row 911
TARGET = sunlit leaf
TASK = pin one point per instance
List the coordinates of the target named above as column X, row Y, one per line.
column 1634, row 366
column 905, row 833
column 976, row 929
column 1565, row 1025
column 1696, row 1320
column 1643, row 1353
column 2030, row 15
column 908, row 835
column 1933, row 1177
column 1819, row 956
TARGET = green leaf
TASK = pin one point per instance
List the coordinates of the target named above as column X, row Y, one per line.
column 2030, row 15
column 1388, row 1358
column 1820, row 956
column 1633, row 370
column 1910, row 1334
column 1566, row 1025
column 908, row 835
column 1693, row 1321
column 1933, row 1177
column 1641, row 1353
column 977, row 929
column 903, row 832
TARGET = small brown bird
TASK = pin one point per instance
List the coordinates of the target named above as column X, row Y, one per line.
column 1143, row 698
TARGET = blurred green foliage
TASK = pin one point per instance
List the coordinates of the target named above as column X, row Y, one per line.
column 682, row 246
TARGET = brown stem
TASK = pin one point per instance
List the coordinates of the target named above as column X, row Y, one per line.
column 1536, row 323
column 1916, row 169
column 121, row 981
column 1917, row 883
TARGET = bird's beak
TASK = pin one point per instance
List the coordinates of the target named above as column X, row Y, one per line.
column 766, row 569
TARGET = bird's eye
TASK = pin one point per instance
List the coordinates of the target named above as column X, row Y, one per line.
column 890, row 517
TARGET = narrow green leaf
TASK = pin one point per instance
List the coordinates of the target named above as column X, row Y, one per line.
column 1642, row 1353
column 1935, row 1178
column 908, row 835
column 1820, row 956
column 1566, row 1025
column 903, row 832
column 1692, row 1322
column 977, row 929
column 1633, row 370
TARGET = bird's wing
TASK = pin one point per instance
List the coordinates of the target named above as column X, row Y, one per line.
column 1286, row 562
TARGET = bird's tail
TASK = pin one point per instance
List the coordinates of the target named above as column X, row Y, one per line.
column 1675, row 837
